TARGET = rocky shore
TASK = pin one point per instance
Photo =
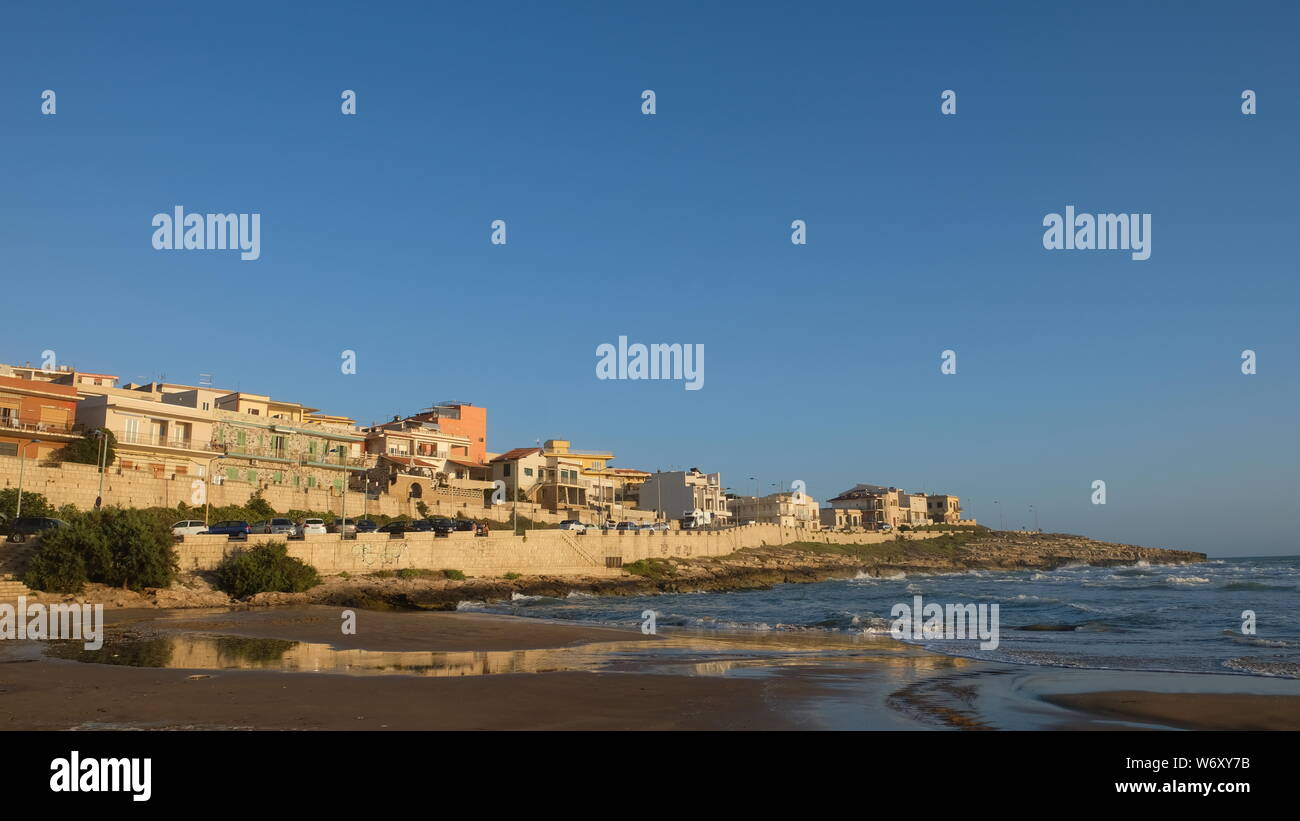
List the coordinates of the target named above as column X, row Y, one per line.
column 748, row 569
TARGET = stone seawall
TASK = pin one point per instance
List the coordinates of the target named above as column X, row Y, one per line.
column 537, row 552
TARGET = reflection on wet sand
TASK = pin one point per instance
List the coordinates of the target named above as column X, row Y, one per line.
column 681, row 654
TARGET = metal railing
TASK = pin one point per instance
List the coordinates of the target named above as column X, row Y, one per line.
column 37, row 426
column 126, row 437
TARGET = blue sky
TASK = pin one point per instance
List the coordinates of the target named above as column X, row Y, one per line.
column 822, row 361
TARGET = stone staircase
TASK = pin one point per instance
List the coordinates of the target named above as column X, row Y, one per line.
column 11, row 588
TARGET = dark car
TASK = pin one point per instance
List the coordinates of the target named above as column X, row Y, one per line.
column 443, row 526
column 366, row 526
column 466, row 526
column 25, row 527
column 398, row 527
column 235, row 529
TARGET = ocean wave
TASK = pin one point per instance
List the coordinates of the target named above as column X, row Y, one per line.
column 1264, row 667
column 1187, row 580
column 1255, row 586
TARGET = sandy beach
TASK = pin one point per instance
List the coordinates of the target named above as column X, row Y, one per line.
column 292, row 668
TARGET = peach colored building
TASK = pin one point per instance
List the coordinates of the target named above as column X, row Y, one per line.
column 36, row 410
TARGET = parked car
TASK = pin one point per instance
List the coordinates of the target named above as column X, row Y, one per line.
column 312, row 527
column 189, row 527
column 443, row 526
column 397, row 527
column 655, row 526
column 276, row 527
column 628, row 527
column 344, row 526
column 466, row 526
column 573, row 524
column 366, row 526
column 26, row 527
column 236, row 529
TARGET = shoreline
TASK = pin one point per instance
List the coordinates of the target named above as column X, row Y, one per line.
column 507, row 672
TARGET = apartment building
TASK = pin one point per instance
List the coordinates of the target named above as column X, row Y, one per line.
column 840, row 518
column 551, row 479
column 37, row 418
column 785, row 509
column 414, row 454
column 882, row 505
column 944, row 508
column 673, row 494
column 166, row 440
column 461, row 419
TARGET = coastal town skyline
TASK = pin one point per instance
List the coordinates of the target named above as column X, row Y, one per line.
column 924, row 234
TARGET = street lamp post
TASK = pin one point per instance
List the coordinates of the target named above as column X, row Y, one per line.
column 343, row 518
column 103, row 452
column 207, row 496
column 18, row 507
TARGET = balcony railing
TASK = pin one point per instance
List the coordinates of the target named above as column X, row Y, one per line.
column 126, row 437
column 36, row 426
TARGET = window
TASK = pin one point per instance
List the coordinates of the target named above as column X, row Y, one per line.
column 505, row 470
column 527, row 472
column 277, row 477
column 311, row 481
column 254, row 412
column 207, row 406
column 8, row 448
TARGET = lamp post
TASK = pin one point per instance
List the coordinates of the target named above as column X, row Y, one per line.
column 18, row 507
column 103, row 466
column 207, row 498
column 343, row 518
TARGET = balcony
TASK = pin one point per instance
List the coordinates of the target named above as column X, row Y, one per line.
column 18, row 424
column 156, row 440
column 271, row 454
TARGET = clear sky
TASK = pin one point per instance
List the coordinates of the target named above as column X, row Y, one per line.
column 822, row 360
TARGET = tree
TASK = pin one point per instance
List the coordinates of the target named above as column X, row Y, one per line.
column 85, row 451
column 260, row 507
column 34, row 504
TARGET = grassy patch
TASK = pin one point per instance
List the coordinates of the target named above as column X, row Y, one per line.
column 653, row 569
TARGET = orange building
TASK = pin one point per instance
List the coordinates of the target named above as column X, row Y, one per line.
column 32, row 410
column 462, row 419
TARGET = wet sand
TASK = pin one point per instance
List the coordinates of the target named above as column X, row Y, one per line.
column 41, row 693
column 1192, row 711
column 293, row 668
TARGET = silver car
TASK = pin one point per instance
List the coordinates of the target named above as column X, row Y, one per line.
column 276, row 527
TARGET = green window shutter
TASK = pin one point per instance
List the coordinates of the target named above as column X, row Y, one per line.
column 277, row 477
column 338, row 484
column 251, row 476
column 311, row 481
column 241, row 438
column 232, row 474
column 297, row 480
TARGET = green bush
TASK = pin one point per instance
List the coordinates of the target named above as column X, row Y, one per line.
column 653, row 569
column 58, row 565
column 454, row 575
column 267, row 568
column 115, row 546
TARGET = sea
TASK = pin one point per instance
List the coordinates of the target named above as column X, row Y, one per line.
column 1235, row 617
